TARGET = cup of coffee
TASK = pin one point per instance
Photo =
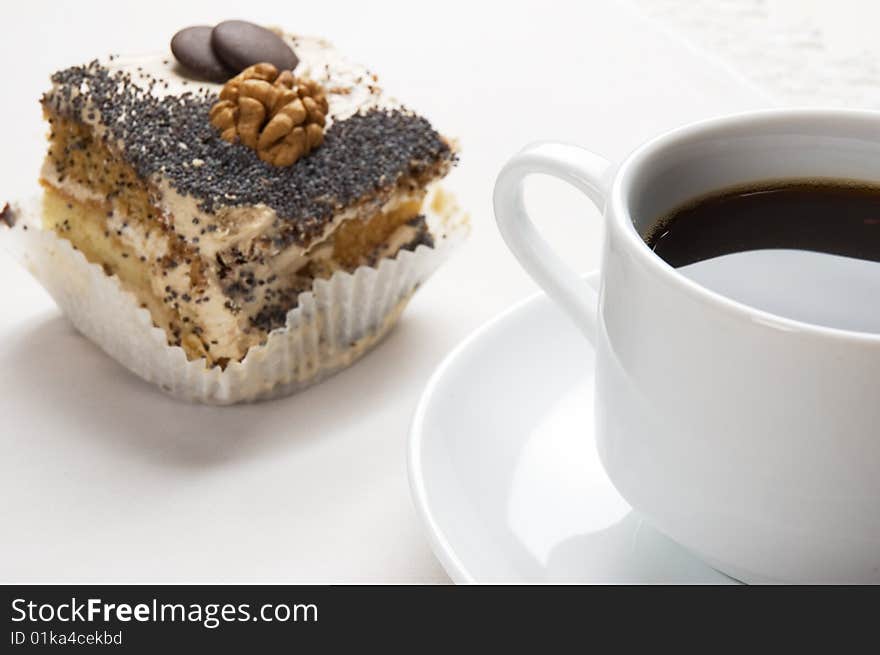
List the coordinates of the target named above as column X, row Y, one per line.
column 737, row 333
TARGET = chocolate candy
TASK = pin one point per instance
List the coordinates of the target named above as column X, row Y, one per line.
column 240, row 44
column 192, row 48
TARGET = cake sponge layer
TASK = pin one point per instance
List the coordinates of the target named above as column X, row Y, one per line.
column 175, row 298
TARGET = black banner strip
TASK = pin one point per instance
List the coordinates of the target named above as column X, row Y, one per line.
column 287, row 618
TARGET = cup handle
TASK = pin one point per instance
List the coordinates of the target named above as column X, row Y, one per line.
column 585, row 171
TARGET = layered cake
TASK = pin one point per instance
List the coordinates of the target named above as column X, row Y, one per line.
column 220, row 183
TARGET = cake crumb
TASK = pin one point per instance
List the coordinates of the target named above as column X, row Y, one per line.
column 8, row 215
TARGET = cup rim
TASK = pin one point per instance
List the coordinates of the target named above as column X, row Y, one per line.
column 619, row 217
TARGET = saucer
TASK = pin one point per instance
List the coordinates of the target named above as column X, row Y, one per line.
column 504, row 471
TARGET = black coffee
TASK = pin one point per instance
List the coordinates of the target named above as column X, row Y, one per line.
column 802, row 250
column 834, row 217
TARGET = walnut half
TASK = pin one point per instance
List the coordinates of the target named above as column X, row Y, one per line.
column 282, row 117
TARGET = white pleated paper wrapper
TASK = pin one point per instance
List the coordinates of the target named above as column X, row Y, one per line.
column 335, row 324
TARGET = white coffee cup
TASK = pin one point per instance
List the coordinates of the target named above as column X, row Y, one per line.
column 750, row 438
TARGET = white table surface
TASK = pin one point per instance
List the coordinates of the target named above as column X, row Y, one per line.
column 103, row 479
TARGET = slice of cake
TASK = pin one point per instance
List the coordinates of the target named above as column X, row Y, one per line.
column 216, row 203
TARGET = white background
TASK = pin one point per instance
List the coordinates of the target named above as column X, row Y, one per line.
column 104, row 479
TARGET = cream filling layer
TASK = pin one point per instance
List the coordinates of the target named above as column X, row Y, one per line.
column 229, row 334
column 238, row 227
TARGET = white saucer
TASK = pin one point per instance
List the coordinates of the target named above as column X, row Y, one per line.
column 504, row 472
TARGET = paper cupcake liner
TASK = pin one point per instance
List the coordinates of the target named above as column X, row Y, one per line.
column 334, row 324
